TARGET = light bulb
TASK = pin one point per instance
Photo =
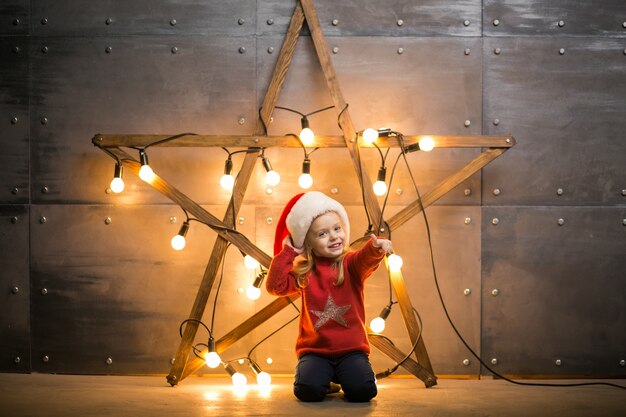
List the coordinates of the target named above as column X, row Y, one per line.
column 263, row 379
column 370, row 135
column 426, row 144
column 380, row 188
column 253, row 292
column 377, row 324
column 213, row 359
column 179, row 242
column 146, row 173
column 250, row 262
column 307, row 136
column 227, row 182
column 272, row 178
column 117, row 185
column 395, row 262
column 239, row 379
column 305, row 181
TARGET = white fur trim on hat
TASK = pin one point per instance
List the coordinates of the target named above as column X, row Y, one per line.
column 309, row 207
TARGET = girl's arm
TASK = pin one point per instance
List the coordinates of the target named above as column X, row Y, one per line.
column 365, row 261
column 280, row 280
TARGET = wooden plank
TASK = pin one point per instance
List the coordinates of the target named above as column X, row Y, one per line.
column 240, row 331
column 406, row 308
column 444, row 187
column 322, row 141
column 385, row 346
column 204, row 290
column 343, row 115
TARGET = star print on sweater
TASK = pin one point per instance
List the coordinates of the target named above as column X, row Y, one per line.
column 331, row 312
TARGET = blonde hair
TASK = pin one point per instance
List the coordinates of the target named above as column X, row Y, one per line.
column 304, row 263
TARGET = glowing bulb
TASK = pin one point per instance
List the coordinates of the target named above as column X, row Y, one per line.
column 146, row 173
column 426, row 144
column 307, row 136
column 250, row 262
column 370, row 135
column 305, row 181
column 117, row 185
column 272, row 178
column 395, row 262
column 179, row 242
column 227, row 182
column 263, row 379
column 239, row 379
column 213, row 360
column 253, row 292
column 380, row 188
column 377, row 325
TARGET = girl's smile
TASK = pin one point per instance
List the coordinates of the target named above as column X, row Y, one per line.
column 326, row 235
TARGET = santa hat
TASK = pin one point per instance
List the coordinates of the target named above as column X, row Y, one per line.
column 300, row 212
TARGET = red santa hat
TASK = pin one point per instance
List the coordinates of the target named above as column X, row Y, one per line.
column 300, row 212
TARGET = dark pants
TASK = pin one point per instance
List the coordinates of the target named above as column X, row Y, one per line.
column 352, row 371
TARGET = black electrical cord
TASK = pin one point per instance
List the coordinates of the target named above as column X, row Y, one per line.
column 445, row 309
column 270, row 335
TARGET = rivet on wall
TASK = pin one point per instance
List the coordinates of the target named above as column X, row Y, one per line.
column 559, row 191
column 467, row 291
column 17, row 49
column 45, row 189
column 400, row 22
column 562, row 51
column 15, row 290
column 44, row 291
column 173, row 22
column 17, row 360
column 269, row 190
column 172, row 361
column 270, row 50
column 45, row 358
column 496, row 22
column 242, row 49
column 497, row 51
column 335, row 49
column 174, row 49
column 241, row 21
column 466, row 23
column 44, row 21
column 399, row 191
column 108, row 21
column 466, row 362
column 108, row 49
column 624, row 192
column 241, row 120
column 109, row 361
column 269, row 220
column 42, row 220
column 561, row 23
column 44, row 120
column 624, row 25
column 400, row 50
column 173, row 219
column 16, row 22
column 560, row 222
column 467, row 123
column 496, row 192
column 334, row 190
column 558, row 362
column 623, row 222
column 14, row 120
column 44, row 49
column 495, row 292
column 467, row 192
column 494, row 361
column 622, row 362
column 107, row 221
column 14, row 219
column 496, row 122
column 240, row 290
column 270, row 22
column 468, row 220
column 241, row 220
column 467, row 51
column 335, row 22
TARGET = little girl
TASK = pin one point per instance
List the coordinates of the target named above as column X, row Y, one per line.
column 312, row 257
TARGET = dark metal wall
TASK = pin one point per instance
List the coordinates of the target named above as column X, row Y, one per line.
column 529, row 253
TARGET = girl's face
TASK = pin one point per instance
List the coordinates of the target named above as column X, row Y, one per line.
column 326, row 236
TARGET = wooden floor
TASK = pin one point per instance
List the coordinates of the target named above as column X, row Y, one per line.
column 145, row 396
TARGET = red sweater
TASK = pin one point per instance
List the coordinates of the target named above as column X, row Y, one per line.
column 332, row 319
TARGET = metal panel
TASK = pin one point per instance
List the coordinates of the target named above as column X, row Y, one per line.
column 431, row 87
column 15, row 289
column 561, row 289
column 456, row 245
column 141, row 17
column 14, row 17
column 381, row 18
column 554, row 18
column 14, row 157
column 116, row 289
column 566, row 112
column 141, row 86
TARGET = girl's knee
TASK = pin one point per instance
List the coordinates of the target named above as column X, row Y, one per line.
column 309, row 393
column 360, row 393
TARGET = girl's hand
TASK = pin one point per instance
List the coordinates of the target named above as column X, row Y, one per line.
column 288, row 242
column 383, row 245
